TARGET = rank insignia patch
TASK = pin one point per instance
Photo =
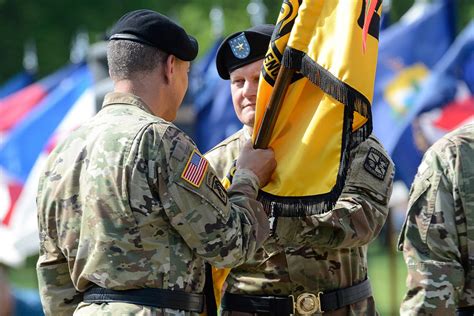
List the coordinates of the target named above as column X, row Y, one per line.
column 216, row 186
column 376, row 163
column 195, row 169
column 240, row 46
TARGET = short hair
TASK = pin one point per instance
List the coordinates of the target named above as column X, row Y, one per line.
column 127, row 58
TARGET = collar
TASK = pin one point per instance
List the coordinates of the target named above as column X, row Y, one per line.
column 112, row 98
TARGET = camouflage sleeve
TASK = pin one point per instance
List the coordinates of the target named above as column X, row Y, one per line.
column 430, row 244
column 57, row 292
column 223, row 228
column 360, row 211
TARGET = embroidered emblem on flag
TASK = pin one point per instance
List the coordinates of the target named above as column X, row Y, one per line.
column 195, row 169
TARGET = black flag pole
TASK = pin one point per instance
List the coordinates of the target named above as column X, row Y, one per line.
column 273, row 109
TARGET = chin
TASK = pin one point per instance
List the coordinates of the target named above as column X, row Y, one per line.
column 248, row 122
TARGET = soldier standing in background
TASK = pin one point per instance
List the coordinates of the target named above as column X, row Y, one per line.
column 438, row 235
column 129, row 210
column 318, row 262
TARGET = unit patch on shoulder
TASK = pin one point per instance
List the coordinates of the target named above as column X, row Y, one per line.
column 230, row 175
column 240, row 46
column 216, row 186
column 195, row 169
column 376, row 163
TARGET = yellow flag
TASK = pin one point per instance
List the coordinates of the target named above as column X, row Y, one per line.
column 332, row 46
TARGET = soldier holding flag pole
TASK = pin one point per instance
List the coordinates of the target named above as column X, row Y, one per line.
column 328, row 197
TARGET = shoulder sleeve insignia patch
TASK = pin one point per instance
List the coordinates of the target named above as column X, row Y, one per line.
column 195, row 169
column 376, row 163
column 216, row 186
column 230, row 175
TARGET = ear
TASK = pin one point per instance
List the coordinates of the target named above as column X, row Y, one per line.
column 170, row 68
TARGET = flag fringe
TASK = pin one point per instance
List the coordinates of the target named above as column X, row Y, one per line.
column 300, row 206
column 298, row 60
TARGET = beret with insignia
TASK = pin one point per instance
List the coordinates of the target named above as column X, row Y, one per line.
column 154, row 29
column 243, row 48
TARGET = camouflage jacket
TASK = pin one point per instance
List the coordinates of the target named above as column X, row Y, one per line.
column 438, row 235
column 127, row 201
column 319, row 252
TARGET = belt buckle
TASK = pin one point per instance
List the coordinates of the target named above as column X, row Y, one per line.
column 307, row 303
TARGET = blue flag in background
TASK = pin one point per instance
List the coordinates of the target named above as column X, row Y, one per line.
column 454, row 70
column 215, row 116
column 29, row 137
column 16, row 83
column 408, row 50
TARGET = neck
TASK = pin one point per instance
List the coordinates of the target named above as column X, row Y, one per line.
column 248, row 130
column 145, row 88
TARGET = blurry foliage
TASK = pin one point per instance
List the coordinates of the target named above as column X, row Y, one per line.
column 52, row 24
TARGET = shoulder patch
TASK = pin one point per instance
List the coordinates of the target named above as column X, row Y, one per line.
column 179, row 151
column 231, row 173
column 216, row 186
column 376, row 163
column 195, row 169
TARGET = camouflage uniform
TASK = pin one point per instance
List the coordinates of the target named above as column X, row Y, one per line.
column 116, row 211
column 438, row 235
column 319, row 252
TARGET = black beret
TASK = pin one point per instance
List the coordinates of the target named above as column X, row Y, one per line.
column 154, row 29
column 243, row 48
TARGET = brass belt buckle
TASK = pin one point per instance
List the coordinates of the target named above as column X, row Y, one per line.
column 308, row 304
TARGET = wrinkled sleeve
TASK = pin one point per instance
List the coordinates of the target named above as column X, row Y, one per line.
column 225, row 228
column 57, row 292
column 430, row 245
column 360, row 211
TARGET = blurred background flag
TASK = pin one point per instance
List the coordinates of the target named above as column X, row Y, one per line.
column 408, row 50
column 212, row 101
column 436, row 123
column 444, row 102
column 17, row 82
column 22, row 157
column 385, row 18
column 16, row 106
column 28, row 137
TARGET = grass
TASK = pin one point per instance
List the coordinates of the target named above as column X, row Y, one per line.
column 25, row 276
column 387, row 277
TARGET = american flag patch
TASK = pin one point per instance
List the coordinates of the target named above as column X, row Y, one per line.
column 195, row 169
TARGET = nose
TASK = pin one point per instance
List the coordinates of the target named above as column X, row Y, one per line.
column 250, row 89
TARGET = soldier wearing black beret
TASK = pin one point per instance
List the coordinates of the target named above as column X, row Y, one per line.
column 243, row 48
column 285, row 277
column 129, row 210
column 240, row 59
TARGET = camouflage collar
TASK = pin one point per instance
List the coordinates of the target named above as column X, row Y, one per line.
column 125, row 98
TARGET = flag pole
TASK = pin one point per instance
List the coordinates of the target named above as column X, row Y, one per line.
column 273, row 109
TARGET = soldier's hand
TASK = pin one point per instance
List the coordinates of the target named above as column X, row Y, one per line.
column 261, row 161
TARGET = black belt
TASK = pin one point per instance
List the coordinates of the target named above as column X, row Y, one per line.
column 465, row 311
column 160, row 298
column 304, row 303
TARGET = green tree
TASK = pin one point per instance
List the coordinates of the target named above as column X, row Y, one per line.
column 52, row 24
